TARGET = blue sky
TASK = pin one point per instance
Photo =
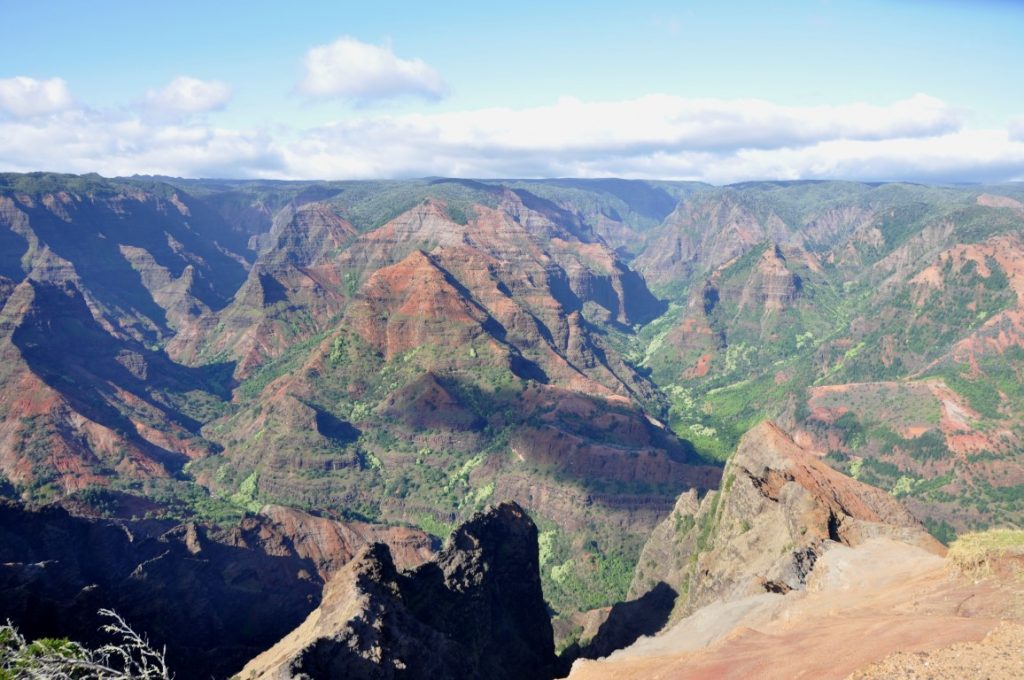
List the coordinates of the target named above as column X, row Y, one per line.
column 900, row 89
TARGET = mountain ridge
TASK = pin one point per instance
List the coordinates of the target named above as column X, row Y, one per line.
column 409, row 351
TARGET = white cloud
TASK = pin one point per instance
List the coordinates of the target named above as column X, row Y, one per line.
column 350, row 69
column 123, row 144
column 658, row 136
column 185, row 95
column 660, row 122
column 654, row 136
column 1016, row 129
column 23, row 97
column 964, row 156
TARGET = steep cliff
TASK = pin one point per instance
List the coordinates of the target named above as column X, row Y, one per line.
column 778, row 510
column 477, row 612
column 213, row 596
column 81, row 406
column 294, row 288
column 141, row 283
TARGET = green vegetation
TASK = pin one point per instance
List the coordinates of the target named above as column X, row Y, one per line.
column 682, row 524
column 41, row 183
column 941, row 530
column 128, row 657
column 433, row 527
column 368, row 205
column 176, row 499
column 580, row 572
column 748, row 334
column 979, row 393
column 246, row 495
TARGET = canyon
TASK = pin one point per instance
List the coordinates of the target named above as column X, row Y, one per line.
column 241, row 387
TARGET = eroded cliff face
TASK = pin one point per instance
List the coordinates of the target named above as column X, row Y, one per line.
column 779, row 508
column 79, row 405
column 97, row 274
column 213, row 596
column 293, row 290
column 515, row 282
column 708, row 231
column 475, row 612
column 138, row 283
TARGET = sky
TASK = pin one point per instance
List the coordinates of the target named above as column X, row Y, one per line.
column 920, row 90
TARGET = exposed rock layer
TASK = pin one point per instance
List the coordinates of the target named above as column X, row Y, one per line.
column 477, row 612
column 779, row 508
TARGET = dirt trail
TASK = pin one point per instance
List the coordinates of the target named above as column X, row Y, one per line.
column 861, row 606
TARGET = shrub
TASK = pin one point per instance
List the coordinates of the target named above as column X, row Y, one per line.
column 130, row 657
column 974, row 554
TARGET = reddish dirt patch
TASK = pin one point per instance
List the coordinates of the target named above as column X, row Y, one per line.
column 699, row 369
column 996, row 201
column 999, row 656
column 837, row 631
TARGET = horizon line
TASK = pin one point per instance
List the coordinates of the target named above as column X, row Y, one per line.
column 498, row 180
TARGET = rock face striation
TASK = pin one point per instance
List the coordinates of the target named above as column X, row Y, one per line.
column 794, row 293
column 475, row 612
column 778, row 509
column 293, row 286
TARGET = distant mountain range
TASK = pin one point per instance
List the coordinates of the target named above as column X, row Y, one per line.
column 412, row 351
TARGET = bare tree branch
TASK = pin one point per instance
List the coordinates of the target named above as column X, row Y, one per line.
column 129, row 657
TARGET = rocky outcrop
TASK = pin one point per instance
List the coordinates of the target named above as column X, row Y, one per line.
column 778, row 509
column 7, row 287
column 772, row 286
column 752, row 292
column 330, row 544
column 212, row 600
column 213, row 596
column 173, row 293
column 477, row 612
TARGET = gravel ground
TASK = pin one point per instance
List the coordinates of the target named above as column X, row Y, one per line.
column 999, row 656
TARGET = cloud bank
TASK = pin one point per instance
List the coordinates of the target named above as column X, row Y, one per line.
column 657, row 136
